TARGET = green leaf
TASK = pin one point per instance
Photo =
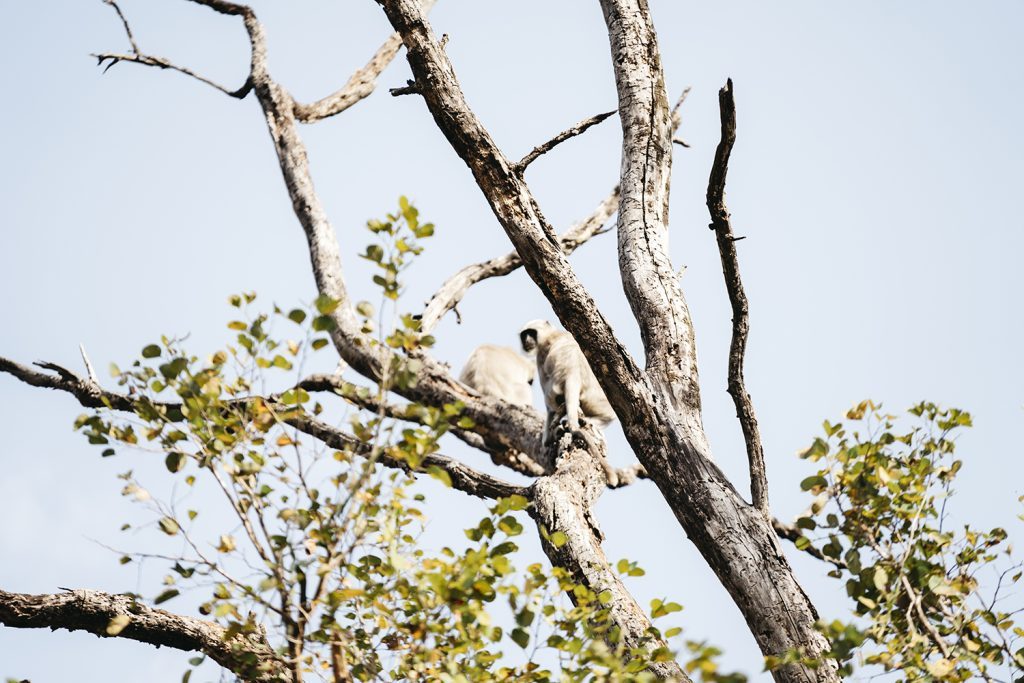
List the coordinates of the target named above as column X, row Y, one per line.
column 151, row 351
column 504, row 548
column 558, row 539
column 175, row 461
column 324, row 323
column 881, row 579
column 517, row 502
column 326, row 305
column 440, row 474
column 169, row 526
column 297, row 316
column 118, row 624
column 813, row 482
column 166, row 595
column 520, row 637
column 294, row 397
column 365, row 309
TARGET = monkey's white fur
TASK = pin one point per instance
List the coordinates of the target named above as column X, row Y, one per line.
column 569, row 385
column 501, row 372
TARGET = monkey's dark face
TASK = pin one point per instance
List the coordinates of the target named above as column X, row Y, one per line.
column 528, row 338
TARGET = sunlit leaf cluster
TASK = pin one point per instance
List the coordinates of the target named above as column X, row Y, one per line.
column 928, row 594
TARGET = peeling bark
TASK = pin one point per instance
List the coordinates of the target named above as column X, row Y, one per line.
column 651, row 284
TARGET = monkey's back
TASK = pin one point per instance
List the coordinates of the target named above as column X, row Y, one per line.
column 501, row 372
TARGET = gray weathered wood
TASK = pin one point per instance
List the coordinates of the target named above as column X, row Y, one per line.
column 249, row 657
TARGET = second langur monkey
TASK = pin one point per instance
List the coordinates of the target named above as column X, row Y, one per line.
column 501, row 372
column 569, row 385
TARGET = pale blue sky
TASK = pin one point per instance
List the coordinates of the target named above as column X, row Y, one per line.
column 877, row 176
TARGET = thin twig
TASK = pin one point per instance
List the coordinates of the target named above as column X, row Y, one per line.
column 88, row 365
column 454, row 288
column 124, row 22
column 722, row 225
column 410, row 88
column 161, row 63
column 791, row 533
column 578, row 129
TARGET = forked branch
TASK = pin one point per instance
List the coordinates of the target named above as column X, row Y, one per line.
column 451, row 293
column 453, row 290
column 138, row 57
column 721, row 224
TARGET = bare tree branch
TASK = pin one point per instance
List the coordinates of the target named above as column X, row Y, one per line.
column 365, row 398
column 453, row 290
column 650, row 281
column 124, row 22
column 360, row 86
column 89, row 369
column 161, row 63
column 249, row 657
column 578, row 129
column 564, row 502
column 791, row 533
column 91, row 395
column 451, row 293
column 462, row 477
column 722, row 225
column 138, row 57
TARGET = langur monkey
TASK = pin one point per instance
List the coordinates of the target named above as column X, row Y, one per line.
column 569, row 385
column 501, row 372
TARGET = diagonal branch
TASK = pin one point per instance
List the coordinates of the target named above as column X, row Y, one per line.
column 360, row 85
column 249, row 657
column 651, row 284
column 451, row 293
column 563, row 502
column 517, row 211
column 462, row 477
column 364, row 398
column 722, row 225
column 578, row 129
column 90, row 395
column 124, row 22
